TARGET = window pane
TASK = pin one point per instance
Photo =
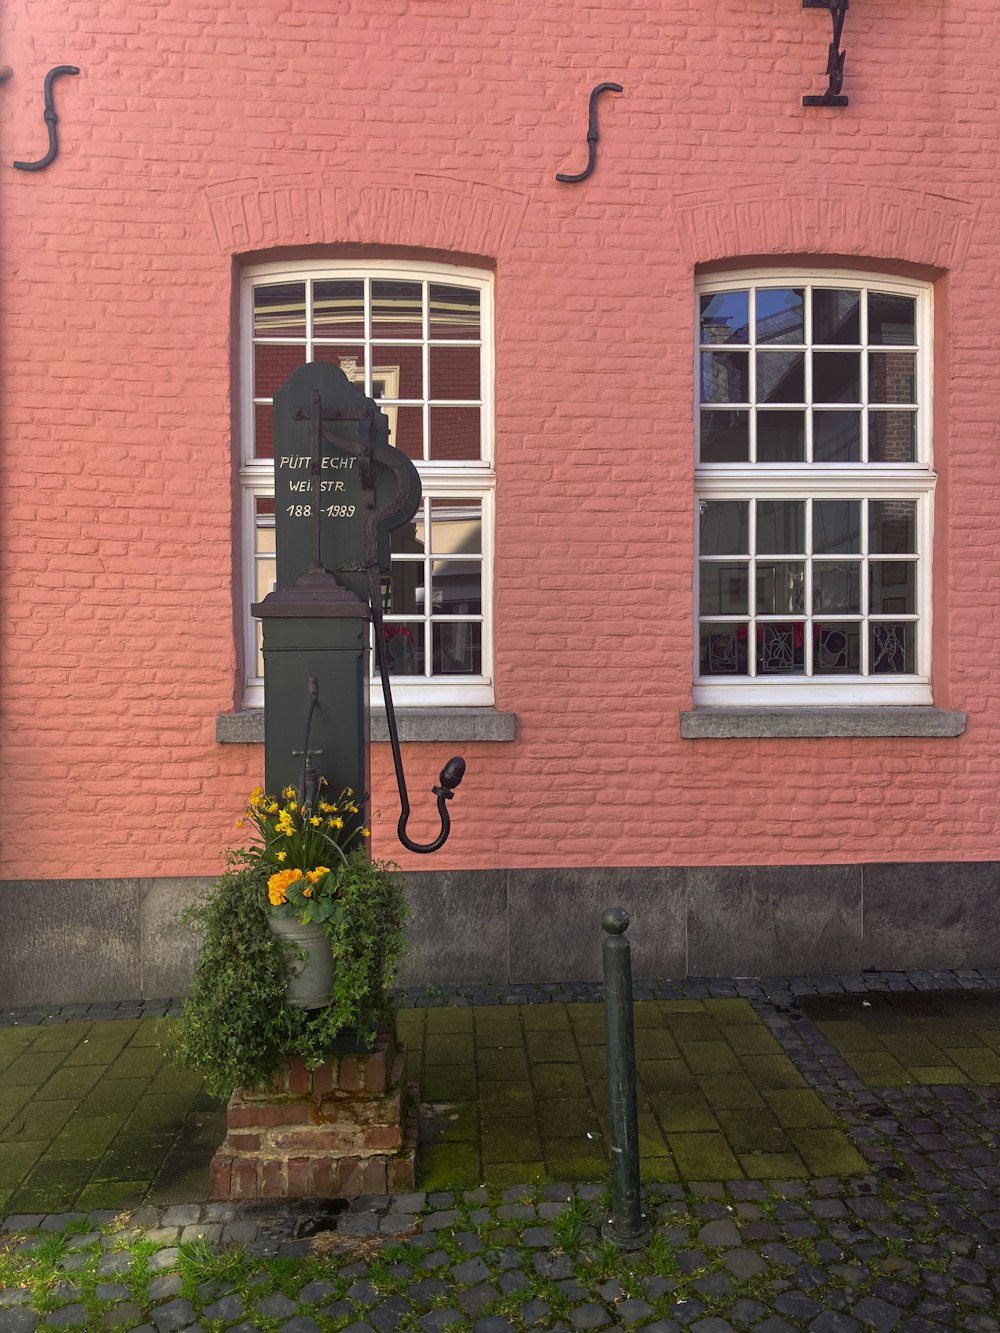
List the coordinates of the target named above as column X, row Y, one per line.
column 724, row 527
column 837, row 437
column 398, row 372
column 781, row 377
column 837, row 588
column 836, row 316
column 339, row 309
column 397, row 310
column 836, row 377
column 454, row 372
column 781, row 437
column 892, row 437
column 454, row 433
column 458, row 648
column 836, row 648
column 724, row 590
column 725, row 437
column 836, row 526
column 406, row 430
column 724, row 318
column 780, row 649
column 725, row 377
column 893, row 589
column 780, row 588
column 723, row 650
column 781, row 526
column 892, row 377
column 272, row 365
column 456, row 526
column 263, row 431
column 780, row 315
column 404, row 645
column 457, row 587
column 405, row 594
column 279, row 310
column 454, row 311
column 893, row 648
column 892, row 527
column 351, row 360
column 891, row 319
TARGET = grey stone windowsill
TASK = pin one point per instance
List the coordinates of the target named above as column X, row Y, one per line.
column 414, row 724
column 757, row 723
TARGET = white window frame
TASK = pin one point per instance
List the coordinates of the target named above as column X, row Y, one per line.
column 461, row 479
column 775, row 481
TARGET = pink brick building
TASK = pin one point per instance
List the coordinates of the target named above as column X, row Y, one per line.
column 705, row 585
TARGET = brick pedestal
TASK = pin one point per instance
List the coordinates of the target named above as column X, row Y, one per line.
column 345, row 1129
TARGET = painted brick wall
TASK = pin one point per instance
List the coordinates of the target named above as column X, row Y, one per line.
column 202, row 135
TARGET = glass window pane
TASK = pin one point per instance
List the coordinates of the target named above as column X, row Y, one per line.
column 781, row 437
column 456, row 526
column 892, row 437
column 263, row 431
column 781, row 377
column 725, row 377
column 891, row 319
column 725, row 437
column 723, row 650
column 458, row 648
column 404, row 643
column 454, row 372
column 780, row 588
column 780, row 313
column 836, row 648
column 398, row 372
column 892, row 527
column 892, row 377
column 836, row 315
column 836, row 377
column 892, row 587
column 339, row 309
column 404, row 595
column 780, row 649
column 272, row 365
column 397, row 310
column 457, row 587
column 724, row 589
column 406, row 430
column 279, row 310
column 724, row 527
column 893, row 648
column 836, row 437
column 454, row 433
column 725, row 318
column 836, row 526
column 781, row 527
column 837, row 588
column 351, row 360
column 454, row 311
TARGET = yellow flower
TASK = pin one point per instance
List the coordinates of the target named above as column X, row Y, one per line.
column 314, row 876
column 348, row 791
column 240, row 823
column 335, row 823
column 352, row 809
column 315, row 821
column 278, row 884
column 281, row 855
column 325, row 808
column 308, row 892
column 273, row 808
column 366, row 833
column 289, row 793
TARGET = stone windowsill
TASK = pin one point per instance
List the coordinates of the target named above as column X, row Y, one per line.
column 758, row 723
column 414, row 724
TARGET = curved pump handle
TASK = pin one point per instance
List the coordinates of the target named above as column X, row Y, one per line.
column 450, row 777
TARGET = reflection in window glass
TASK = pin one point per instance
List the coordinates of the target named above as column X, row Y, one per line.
column 725, row 437
column 725, row 589
column 892, row 437
column 780, row 588
column 836, row 377
column 724, row 318
column 892, row 588
column 781, row 377
column 892, row 377
column 781, row 527
column 724, row 527
column 837, row 437
column 397, row 310
column 837, row 588
column 725, row 377
column 454, row 312
column 781, row 437
column 891, row 319
column 892, row 527
column 339, row 309
column 780, row 315
column 836, row 316
column 279, row 310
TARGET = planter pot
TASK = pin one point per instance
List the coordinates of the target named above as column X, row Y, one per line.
column 310, row 978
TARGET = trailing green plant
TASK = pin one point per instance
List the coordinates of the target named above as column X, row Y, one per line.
column 235, row 1027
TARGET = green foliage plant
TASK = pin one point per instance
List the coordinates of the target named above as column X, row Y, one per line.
column 235, row 1027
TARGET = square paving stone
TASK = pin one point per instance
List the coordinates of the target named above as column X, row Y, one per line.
column 514, row 1173
column 685, row 1027
column 655, row 1043
column 60, row 1036
column 945, row 1075
column 558, row 1080
column 730, row 1091
column 32, row 1070
column 449, row 1018
column 449, row 1166
column 828, row 1152
column 498, row 1027
column 799, row 1108
column 752, row 1040
column 666, row 1076
column 449, row 1048
column 982, row 1065
column 710, row 1057
column 73, row 1082
column 573, row 1160
column 773, row 1166
column 684, row 1112
column 112, row 1095
column 500, row 1101
column 753, row 1131
column 878, row 1069
column 157, row 1111
column 703, row 1157
column 730, row 1012
column 503, row 1063
column 511, row 1141
column 537, row 1017
column 448, row 1083
column 771, row 1071
column 113, row 1194
column 84, row 1137
column 567, row 1117
column 551, row 1045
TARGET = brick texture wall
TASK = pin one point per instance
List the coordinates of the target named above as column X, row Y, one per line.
column 198, row 137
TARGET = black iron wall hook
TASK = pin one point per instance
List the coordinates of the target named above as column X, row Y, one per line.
column 50, row 117
column 592, row 134
column 835, row 57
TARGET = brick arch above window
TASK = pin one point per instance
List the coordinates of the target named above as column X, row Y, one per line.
column 823, row 218
column 430, row 212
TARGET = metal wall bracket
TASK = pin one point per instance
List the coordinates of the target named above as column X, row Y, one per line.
column 592, row 134
column 835, row 57
column 50, row 118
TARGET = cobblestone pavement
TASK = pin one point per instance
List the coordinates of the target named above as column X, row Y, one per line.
column 911, row 1243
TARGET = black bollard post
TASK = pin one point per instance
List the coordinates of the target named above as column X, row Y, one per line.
column 627, row 1226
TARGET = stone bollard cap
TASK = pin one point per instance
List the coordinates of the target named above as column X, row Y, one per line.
column 615, row 920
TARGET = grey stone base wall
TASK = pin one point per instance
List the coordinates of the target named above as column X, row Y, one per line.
column 84, row 941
